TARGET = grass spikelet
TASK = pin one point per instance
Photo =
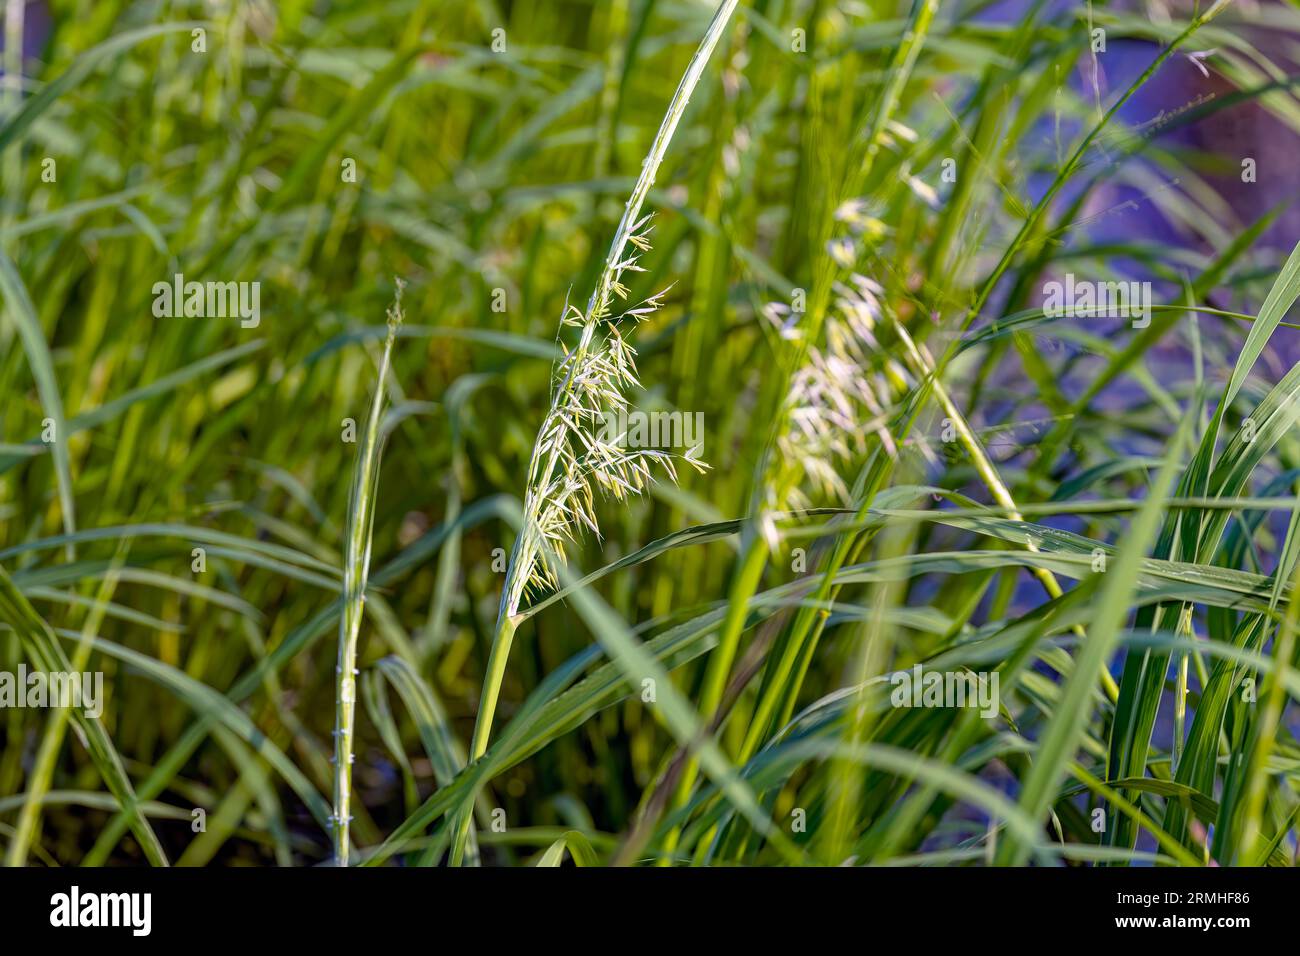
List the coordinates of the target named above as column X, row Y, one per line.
column 835, row 400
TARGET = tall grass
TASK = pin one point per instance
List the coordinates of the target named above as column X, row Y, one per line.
column 833, row 242
column 356, row 572
column 570, row 460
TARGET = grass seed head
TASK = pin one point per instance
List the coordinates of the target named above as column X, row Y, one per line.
column 575, row 461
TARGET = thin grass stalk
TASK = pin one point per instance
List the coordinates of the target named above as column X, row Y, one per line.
column 356, row 570
column 924, row 369
column 1253, row 840
column 1180, row 698
column 528, row 547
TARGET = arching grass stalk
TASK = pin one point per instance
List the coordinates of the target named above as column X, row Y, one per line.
column 923, row 366
column 356, row 568
column 569, row 460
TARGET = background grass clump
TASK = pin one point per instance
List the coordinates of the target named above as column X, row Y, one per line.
column 286, row 545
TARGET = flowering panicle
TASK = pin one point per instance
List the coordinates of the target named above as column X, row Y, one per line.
column 576, row 456
column 834, row 401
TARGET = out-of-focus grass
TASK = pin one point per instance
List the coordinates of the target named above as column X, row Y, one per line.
column 911, row 462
